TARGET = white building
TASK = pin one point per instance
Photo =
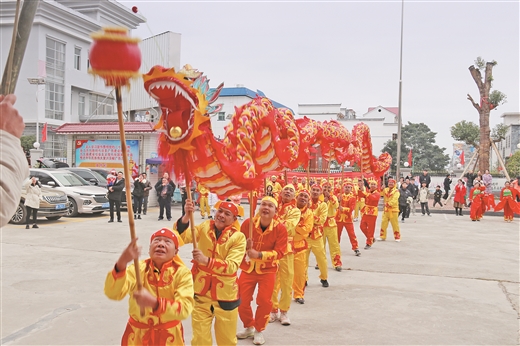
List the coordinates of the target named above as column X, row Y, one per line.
column 56, row 61
column 382, row 121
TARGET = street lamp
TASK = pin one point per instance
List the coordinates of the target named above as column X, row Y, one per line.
column 399, row 120
column 406, row 164
column 37, row 81
column 459, row 166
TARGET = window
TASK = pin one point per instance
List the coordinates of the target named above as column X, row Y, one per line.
column 55, row 146
column 77, row 58
column 81, row 104
column 221, row 116
column 55, row 81
column 101, row 105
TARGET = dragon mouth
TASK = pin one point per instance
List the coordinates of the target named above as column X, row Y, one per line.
column 178, row 104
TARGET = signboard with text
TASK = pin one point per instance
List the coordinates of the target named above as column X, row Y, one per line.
column 105, row 153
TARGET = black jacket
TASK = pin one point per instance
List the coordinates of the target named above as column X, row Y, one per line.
column 169, row 190
column 403, row 195
column 413, row 189
column 447, row 183
column 425, row 179
column 118, row 190
column 138, row 189
column 159, row 184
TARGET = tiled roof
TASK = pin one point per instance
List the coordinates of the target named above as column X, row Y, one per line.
column 394, row 110
column 102, row 127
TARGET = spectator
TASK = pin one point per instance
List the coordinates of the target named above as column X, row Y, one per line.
column 32, row 200
column 425, row 178
column 447, row 186
column 164, row 195
column 138, row 194
column 146, row 194
column 424, row 194
column 114, row 196
column 413, row 191
column 404, row 194
column 437, row 195
column 460, row 197
column 13, row 163
column 487, row 179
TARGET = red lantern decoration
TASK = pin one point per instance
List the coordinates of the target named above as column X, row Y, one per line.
column 114, row 56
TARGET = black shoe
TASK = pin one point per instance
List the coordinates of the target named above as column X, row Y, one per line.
column 338, row 268
column 144, row 212
column 35, row 226
column 305, row 283
column 159, row 219
column 316, row 267
column 135, row 216
column 324, row 283
column 111, row 220
column 119, row 220
column 27, row 227
column 367, row 247
column 169, row 219
column 300, row 300
column 139, row 217
column 357, row 252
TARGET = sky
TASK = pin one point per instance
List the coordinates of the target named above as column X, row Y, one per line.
column 348, row 52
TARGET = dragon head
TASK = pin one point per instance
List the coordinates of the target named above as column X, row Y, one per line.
column 185, row 100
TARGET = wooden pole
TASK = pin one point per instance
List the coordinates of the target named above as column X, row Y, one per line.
column 192, row 217
column 500, row 160
column 251, row 214
column 128, row 176
column 309, row 175
column 22, row 29
column 462, row 175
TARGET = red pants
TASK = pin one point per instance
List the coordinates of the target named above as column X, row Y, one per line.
column 368, row 227
column 351, row 233
column 247, row 283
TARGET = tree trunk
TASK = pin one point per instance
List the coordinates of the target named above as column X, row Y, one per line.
column 483, row 109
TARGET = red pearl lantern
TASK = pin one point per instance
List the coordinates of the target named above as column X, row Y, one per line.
column 115, row 56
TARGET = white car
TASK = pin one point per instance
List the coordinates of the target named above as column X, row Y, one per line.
column 83, row 198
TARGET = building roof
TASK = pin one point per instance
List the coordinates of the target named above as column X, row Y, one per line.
column 394, row 110
column 243, row 91
column 104, row 127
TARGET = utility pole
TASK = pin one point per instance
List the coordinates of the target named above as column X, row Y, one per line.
column 399, row 119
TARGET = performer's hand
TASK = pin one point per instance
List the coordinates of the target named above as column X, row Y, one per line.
column 252, row 253
column 145, row 299
column 10, row 121
column 249, row 243
column 131, row 252
column 199, row 257
column 189, row 207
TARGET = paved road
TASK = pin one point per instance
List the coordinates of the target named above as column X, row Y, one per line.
column 449, row 282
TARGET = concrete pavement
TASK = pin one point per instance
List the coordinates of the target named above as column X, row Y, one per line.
column 449, row 282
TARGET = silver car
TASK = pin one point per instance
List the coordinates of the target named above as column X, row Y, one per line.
column 83, row 198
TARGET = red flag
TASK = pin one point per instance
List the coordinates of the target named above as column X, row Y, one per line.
column 44, row 133
column 410, row 158
column 461, row 157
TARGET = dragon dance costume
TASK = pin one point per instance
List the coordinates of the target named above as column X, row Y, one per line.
column 315, row 241
column 301, row 265
column 344, row 218
column 391, row 212
column 369, row 211
column 330, row 232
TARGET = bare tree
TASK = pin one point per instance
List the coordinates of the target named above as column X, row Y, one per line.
column 488, row 101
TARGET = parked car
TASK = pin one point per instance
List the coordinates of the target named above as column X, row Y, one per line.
column 53, row 205
column 82, row 197
column 93, row 177
column 105, row 173
column 50, row 163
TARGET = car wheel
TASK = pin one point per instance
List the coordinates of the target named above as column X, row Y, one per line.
column 53, row 218
column 72, row 208
column 20, row 215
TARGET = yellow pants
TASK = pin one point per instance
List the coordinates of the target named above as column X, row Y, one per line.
column 205, row 311
column 204, row 206
column 330, row 235
column 318, row 249
column 357, row 209
column 393, row 218
column 301, row 265
column 283, row 282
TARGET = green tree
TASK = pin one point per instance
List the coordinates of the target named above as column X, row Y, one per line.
column 27, row 142
column 498, row 133
column 426, row 154
column 467, row 132
column 513, row 165
column 488, row 101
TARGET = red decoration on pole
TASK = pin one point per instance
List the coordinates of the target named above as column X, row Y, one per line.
column 44, row 133
column 462, row 158
column 410, row 158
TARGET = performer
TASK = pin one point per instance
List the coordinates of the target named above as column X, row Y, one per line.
column 237, row 199
column 360, row 201
column 330, row 228
column 276, row 187
column 459, row 201
column 203, row 201
column 315, row 240
column 259, row 268
column 221, row 247
column 289, row 215
column 297, row 185
column 166, row 296
column 344, row 218
column 477, row 201
column 508, row 202
column 302, row 231
column 391, row 211
column 369, row 212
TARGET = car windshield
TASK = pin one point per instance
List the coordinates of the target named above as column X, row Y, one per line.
column 99, row 177
column 101, row 172
column 69, row 179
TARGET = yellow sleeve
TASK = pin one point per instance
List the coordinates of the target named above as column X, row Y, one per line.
column 393, row 201
column 182, row 304
column 234, row 256
column 291, row 220
column 321, row 214
column 305, row 225
column 186, row 235
column 119, row 284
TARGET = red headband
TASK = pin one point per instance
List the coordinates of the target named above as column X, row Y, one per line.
column 165, row 232
column 229, row 206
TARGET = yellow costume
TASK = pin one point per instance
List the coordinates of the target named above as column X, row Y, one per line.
column 215, row 284
column 360, row 202
column 315, row 240
column 391, row 213
column 172, row 285
column 330, row 232
column 301, row 263
column 289, row 216
column 203, row 202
